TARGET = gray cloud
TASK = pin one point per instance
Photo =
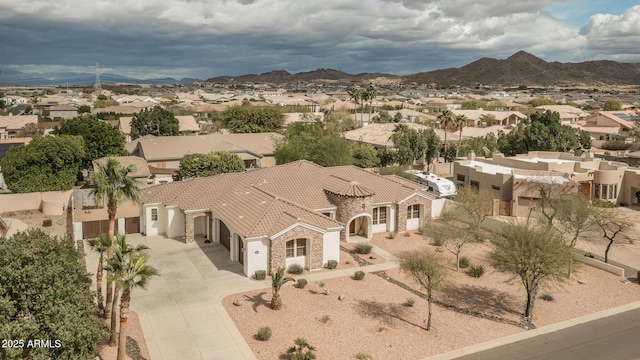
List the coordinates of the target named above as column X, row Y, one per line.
column 206, row 38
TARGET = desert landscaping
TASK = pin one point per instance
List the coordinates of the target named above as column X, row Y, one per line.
column 383, row 315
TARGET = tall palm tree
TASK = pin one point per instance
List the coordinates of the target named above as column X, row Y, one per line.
column 113, row 185
column 122, row 250
column 133, row 272
column 101, row 245
column 446, row 117
column 370, row 93
column 357, row 94
column 460, row 122
column 277, row 280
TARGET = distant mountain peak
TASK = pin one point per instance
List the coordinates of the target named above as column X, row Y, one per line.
column 523, row 56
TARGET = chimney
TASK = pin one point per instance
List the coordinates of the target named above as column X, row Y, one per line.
column 471, row 156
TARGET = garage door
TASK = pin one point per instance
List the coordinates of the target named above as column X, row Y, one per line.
column 225, row 236
column 91, row 229
column 132, row 225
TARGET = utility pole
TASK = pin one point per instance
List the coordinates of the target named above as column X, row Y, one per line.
column 97, row 85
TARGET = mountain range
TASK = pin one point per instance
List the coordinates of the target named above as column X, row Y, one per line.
column 13, row 77
column 520, row 69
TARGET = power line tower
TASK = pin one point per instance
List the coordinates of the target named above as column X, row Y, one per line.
column 97, row 85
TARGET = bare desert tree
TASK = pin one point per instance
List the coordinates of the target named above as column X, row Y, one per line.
column 452, row 233
column 611, row 224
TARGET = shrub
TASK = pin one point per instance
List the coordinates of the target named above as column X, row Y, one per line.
column 363, row 356
column 301, row 283
column 325, row 319
column 547, row 297
column 358, row 275
column 47, row 223
column 362, row 248
column 392, row 235
column 295, row 269
column 332, row 264
column 264, row 333
column 261, row 274
column 423, row 230
column 476, row 270
column 410, row 302
column 437, row 241
column 464, row 262
column 407, row 234
column 615, row 145
column 604, row 204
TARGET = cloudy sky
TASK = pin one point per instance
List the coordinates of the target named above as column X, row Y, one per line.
column 206, row 38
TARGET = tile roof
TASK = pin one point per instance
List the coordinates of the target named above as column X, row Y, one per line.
column 268, row 200
column 17, row 122
column 175, row 147
column 140, row 164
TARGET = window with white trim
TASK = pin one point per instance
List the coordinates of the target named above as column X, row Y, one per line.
column 154, row 214
column 296, row 247
column 380, row 215
column 413, row 211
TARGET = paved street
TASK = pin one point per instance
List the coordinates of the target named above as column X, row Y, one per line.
column 613, row 338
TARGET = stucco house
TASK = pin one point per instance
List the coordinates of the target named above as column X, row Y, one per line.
column 610, row 125
column 293, row 213
column 164, row 152
column 514, row 179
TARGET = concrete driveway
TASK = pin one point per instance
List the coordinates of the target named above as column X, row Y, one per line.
column 180, row 312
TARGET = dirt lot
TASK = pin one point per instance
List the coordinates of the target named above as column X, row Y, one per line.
column 373, row 317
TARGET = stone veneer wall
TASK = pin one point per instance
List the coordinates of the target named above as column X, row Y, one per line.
column 401, row 217
column 348, row 207
column 279, row 248
column 189, row 226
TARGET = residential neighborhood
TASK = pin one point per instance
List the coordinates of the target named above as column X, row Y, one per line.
column 223, row 194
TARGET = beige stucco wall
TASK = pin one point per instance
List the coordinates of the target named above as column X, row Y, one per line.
column 32, row 201
column 125, row 209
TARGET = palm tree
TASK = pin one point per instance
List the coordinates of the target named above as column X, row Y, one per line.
column 370, row 94
column 460, row 123
column 446, row 117
column 133, row 272
column 357, row 94
column 112, row 183
column 122, row 249
column 101, row 245
column 277, row 280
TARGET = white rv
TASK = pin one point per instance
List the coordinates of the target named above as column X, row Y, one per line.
column 440, row 186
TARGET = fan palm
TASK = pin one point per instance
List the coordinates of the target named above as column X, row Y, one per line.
column 121, row 250
column 446, row 117
column 370, row 94
column 277, row 280
column 460, row 122
column 132, row 271
column 112, row 183
column 101, row 245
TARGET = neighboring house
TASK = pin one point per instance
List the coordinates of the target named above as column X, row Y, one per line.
column 164, row 152
column 293, row 213
column 141, row 172
column 484, row 118
column 610, row 125
column 7, row 144
column 123, row 109
column 90, row 220
column 568, row 114
column 63, row 112
column 11, row 125
column 379, row 135
column 187, row 126
column 513, row 180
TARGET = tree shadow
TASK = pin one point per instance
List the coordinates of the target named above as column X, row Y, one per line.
column 388, row 313
column 133, row 349
column 481, row 299
column 258, row 300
